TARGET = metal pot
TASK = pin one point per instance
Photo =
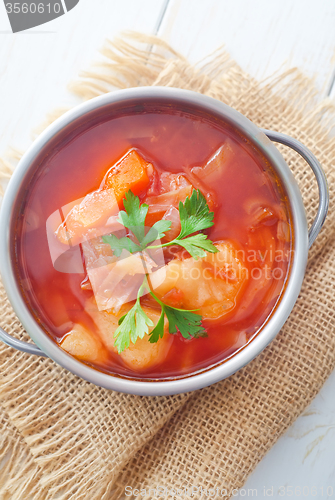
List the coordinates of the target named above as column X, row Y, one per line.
column 303, row 239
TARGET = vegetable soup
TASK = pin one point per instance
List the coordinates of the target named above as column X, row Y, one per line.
column 154, row 242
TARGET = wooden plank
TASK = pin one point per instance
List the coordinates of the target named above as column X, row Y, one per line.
column 261, row 36
column 36, row 66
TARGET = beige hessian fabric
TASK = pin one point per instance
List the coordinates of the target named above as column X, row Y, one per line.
column 67, row 439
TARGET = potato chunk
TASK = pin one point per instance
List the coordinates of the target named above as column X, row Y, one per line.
column 138, row 356
column 83, row 345
column 211, row 284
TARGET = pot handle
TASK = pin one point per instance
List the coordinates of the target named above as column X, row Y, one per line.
column 20, row 345
column 319, row 174
column 30, row 348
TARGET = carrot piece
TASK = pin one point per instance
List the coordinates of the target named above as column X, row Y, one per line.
column 131, row 172
column 128, row 173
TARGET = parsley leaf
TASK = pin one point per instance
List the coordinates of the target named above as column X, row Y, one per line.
column 134, row 219
column 119, row 244
column 197, row 244
column 194, row 214
column 158, row 331
column 133, row 325
column 187, row 322
column 134, row 216
column 156, row 232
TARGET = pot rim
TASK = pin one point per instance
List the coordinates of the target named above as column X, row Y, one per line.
column 261, row 339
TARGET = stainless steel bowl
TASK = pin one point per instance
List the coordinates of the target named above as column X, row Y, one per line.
column 303, row 239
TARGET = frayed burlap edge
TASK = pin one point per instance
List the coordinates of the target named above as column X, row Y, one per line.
column 19, row 474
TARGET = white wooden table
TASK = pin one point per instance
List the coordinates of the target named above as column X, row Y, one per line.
column 263, row 36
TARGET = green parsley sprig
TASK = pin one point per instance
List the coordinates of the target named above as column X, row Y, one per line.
column 187, row 322
column 194, row 217
column 135, row 324
column 134, row 220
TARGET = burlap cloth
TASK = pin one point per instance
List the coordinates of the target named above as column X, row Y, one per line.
column 67, row 439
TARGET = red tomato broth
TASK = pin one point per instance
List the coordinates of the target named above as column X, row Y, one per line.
column 174, row 141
